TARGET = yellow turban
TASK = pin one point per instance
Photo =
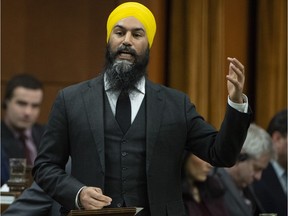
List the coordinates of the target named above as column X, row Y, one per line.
column 137, row 10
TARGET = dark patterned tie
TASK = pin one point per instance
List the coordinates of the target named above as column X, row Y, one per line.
column 28, row 154
column 123, row 111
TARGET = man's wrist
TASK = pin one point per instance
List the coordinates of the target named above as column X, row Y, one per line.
column 78, row 201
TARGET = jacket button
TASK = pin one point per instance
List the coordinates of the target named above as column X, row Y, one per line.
column 119, row 205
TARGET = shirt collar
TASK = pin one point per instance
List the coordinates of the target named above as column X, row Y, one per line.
column 278, row 169
column 140, row 86
column 27, row 133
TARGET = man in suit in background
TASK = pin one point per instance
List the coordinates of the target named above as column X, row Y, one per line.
column 20, row 134
column 271, row 190
column 254, row 158
column 126, row 135
column 23, row 97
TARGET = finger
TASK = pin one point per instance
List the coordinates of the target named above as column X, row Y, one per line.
column 98, row 203
column 102, row 198
column 237, row 63
column 92, row 195
column 238, row 72
column 233, row 81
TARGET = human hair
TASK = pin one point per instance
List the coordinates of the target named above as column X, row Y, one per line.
column 278, row 123
column 22, row 80
column 257, row 143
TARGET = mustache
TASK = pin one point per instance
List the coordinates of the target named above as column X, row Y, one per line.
column 126, row 49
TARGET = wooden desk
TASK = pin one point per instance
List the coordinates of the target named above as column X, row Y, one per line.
column 127, row 211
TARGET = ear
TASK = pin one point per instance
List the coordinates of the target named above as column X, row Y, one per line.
column 276, row 136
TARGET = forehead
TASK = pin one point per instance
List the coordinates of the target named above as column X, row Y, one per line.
column 130, row 23
column 21, row 93
column 262, row 161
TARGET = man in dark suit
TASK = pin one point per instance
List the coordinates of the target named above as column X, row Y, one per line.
column 126, row 135
column 271, row 190
column 22, row 100
column 23, row 97
column 254, row 158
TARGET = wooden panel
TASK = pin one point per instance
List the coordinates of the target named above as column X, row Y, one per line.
column 271, row 73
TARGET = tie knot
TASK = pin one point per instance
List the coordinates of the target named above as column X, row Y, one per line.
column 123, row 94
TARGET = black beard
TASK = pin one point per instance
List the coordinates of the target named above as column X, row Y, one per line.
column 123, row 75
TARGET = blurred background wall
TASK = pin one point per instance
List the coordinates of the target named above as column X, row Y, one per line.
column 63, row 42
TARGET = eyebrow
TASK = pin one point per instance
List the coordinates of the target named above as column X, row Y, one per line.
column 133, row 29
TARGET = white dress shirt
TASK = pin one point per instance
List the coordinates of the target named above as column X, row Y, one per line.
column 280, row 172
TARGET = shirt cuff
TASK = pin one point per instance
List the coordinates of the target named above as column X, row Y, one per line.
column 77, row 198
column 241, row 107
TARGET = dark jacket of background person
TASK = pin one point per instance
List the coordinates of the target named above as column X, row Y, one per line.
column 272, row 188
column 234, row 202
column 212, row 199
column 270, row 192
column 10, row 145
column 35, row 202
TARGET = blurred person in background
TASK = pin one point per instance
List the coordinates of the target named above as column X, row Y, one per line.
column 253, row 159
column 203, row 194
column 271, row 190
column 22, row 101
column 20, row 134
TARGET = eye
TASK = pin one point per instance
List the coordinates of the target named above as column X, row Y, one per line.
column 137, row 34
column 21, row 103
column 119, row 33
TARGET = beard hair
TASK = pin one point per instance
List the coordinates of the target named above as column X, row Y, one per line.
column 123, row 75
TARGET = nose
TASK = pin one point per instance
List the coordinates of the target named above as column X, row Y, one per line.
column 257, row 176
column 28, row 110
column 127, row 39
column 208, row 166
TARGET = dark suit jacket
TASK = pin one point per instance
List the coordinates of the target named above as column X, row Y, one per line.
column 10, row 147
column 75, row 128
column 270, row 192
column 234, row 201
column 35, row 202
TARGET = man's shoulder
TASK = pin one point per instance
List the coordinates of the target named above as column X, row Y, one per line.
column 5, row 131
column 85, row 84
column 165, row 89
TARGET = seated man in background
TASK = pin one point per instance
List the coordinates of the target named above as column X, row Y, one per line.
column 254, row 158
column 271, row 190
column 20, row 134
column 23, row 97
column 203, row 194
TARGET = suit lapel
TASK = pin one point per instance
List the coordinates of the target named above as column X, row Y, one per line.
column 93, row 100
column 155, row 104
column 234, row 191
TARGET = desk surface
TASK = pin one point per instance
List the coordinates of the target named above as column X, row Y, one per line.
column 127, row 211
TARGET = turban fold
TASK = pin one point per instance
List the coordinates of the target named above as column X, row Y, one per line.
column 137, row 10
